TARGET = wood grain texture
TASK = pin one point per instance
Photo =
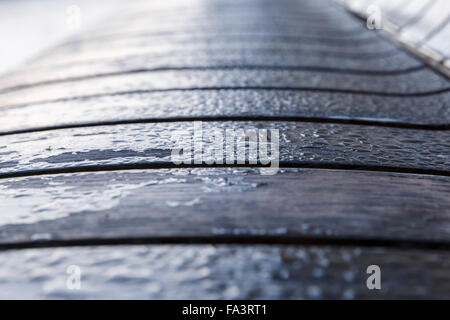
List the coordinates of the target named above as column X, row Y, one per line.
column 225, row 203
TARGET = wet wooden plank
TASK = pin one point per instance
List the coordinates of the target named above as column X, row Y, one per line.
column 225, row 272
column 245, row 21
column 432, row 110
column 382, row 62
column 419, row 82
column 300, row 143
column 86, row 51
column 217, row 203
column 324, row 38
column 288, row 24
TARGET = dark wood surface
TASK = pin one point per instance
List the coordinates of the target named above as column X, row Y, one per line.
column 214, row 203
column 248, row 104
column 370, row 120
column 422, row 82
column 225, row 272
column 300, row 144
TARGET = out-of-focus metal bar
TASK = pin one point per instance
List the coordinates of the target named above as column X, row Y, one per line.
column 422, row 26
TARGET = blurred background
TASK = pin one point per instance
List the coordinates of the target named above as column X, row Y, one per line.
column 28, row 27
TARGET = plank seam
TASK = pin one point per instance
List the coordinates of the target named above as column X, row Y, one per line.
column 169, row 165
column 333, row 120
column 400, row 243
column 267, row 88
column 226, row 67
column 334, row 40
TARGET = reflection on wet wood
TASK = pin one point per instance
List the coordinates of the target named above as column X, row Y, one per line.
column 152, row 144
column 225, row 202
column 431, row 110
column 213, row 62
column 226, row 272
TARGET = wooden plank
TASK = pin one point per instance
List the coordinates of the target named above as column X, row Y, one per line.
column 229, row 103
column 299, row 144
column 216, row 203
column 85, row 51
column 384, row 62
column 111, row 37
column 288, row 25
column 419, row 82
column 334, row 26
column 224, row 272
